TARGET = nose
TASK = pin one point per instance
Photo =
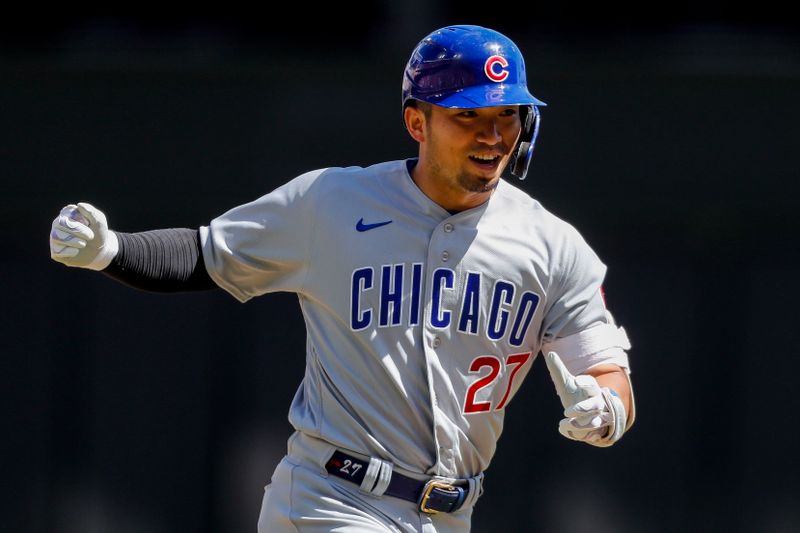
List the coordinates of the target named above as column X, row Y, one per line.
column 489, row 133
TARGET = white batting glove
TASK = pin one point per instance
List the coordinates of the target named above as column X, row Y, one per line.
column 594, row 415
column 80, row 237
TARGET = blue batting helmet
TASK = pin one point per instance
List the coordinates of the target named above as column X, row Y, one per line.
column 470, row 67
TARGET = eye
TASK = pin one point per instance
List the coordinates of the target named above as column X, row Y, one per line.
column 468, row 113
column 510, row 112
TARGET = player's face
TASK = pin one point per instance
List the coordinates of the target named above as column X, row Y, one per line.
column 465, row 150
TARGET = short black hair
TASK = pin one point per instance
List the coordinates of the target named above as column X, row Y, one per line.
column 423, row 106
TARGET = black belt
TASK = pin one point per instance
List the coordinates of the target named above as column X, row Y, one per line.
column 432, row 496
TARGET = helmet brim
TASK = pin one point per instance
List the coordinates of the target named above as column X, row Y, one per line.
column 497, row 94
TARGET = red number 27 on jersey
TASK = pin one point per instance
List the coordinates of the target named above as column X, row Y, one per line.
column 516, row 361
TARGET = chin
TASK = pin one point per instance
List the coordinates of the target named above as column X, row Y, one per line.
column 492, row 185
column 479, row 183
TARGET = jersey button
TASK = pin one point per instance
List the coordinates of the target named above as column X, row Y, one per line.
column 445, row 255
column 437, row 341
column 448, row 227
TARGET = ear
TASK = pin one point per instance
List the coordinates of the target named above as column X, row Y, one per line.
column 415, row 123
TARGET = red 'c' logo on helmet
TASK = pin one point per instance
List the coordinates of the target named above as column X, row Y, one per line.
column 491, row 72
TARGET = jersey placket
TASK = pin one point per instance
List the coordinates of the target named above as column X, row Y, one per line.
column 443, row 257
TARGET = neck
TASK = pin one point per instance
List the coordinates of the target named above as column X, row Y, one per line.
column 447, row 195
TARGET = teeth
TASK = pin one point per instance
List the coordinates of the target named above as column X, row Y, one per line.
column 485, row 157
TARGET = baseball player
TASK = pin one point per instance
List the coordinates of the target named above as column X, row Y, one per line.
column 428, row 286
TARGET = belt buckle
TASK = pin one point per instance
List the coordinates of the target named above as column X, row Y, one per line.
column 426, row 494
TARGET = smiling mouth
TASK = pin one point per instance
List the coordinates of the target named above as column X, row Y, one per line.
column 486, row 160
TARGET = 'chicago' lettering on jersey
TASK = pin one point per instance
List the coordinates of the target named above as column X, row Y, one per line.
column 510, row 310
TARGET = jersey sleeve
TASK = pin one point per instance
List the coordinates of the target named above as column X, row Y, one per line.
column 265, row 245
column 577, row 325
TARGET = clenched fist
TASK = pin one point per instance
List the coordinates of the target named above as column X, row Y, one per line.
column 80, row 237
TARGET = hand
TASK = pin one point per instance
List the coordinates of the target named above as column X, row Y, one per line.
column 593, row 414
column 80, row 237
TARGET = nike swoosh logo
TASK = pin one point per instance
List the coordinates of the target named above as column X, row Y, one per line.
column 360, row 226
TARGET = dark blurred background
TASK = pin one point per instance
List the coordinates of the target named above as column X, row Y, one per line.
column 670, row 140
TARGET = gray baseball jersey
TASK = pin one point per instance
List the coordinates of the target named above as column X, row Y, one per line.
column 422, row 324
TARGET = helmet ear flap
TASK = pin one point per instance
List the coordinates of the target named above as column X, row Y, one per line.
column 521, row 159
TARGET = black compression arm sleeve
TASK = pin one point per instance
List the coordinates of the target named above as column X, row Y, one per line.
column 164, row 260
